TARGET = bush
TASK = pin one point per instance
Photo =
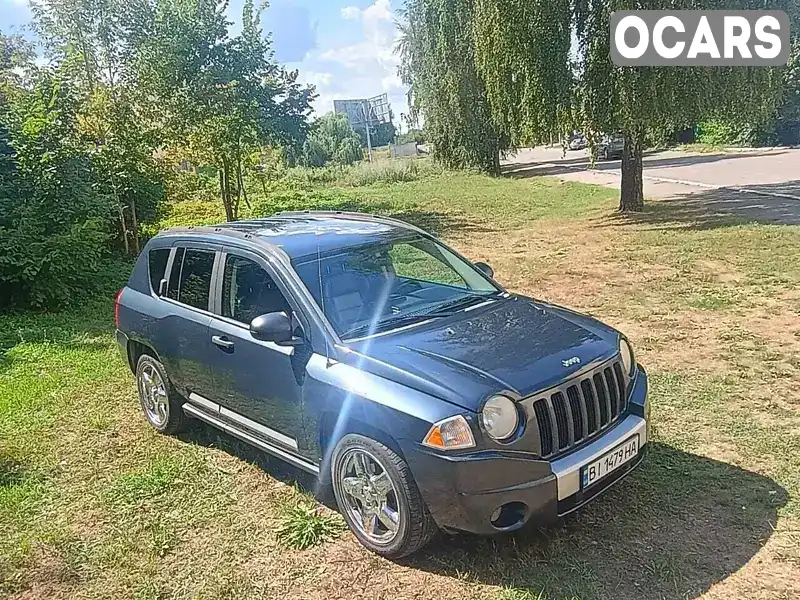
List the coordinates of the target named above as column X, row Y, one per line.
column 41, row 270
column 305, row 199
column 332, row 140
column 54, row 224
column 195, row 212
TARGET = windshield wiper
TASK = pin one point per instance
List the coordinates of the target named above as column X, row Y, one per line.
column 450, row 308
column 445, row 310
column 386, row 324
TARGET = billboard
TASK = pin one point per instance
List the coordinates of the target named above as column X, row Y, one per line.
column 359, row 111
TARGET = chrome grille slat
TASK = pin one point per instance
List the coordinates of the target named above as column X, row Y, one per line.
column 553, row 426
column 580, row 409
column 602, row 398
column 613, row 392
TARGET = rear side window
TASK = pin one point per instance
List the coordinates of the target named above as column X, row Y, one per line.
column 195, row 278
column 157, row 264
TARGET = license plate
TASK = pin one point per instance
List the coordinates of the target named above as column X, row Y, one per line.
column 610, row 461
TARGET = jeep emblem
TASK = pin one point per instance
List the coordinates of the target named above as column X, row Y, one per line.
column 571, row 361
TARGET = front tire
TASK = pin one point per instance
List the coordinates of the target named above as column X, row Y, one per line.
column 161, row 404
column 378, row 497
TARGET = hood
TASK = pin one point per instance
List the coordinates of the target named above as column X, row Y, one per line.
column 514, row 344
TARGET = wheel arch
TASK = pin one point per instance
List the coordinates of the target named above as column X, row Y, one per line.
column 135, row 350
column 331, row 431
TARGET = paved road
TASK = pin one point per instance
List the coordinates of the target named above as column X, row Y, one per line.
column 761, row 185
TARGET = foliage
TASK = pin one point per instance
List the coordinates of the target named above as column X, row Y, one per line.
column 438, row 63
column 716, row 133
column 53, row 220
column 224, row 98
column 306, row 524
column 413, row 135
column 332, row 141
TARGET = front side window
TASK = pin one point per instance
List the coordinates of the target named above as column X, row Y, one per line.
column 195, row 278
column 248, row 291
column 379, row 286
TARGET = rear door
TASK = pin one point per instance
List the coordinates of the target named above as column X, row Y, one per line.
column 258, row 384
column 184, row 343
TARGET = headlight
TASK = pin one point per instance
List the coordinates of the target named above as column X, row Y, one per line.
column 626, row 352
column 500, row 417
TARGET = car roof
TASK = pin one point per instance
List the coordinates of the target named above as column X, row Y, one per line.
column 306, row 233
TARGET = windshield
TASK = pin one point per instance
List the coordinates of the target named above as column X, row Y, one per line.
column 375, row 287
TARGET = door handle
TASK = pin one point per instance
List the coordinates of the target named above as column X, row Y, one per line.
column 222, row 342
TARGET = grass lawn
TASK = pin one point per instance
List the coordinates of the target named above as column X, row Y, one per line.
column 93, row 504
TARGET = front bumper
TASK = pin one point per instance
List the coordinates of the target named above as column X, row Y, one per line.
column 464, row 491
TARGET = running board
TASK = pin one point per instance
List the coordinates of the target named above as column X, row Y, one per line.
column 198, row 413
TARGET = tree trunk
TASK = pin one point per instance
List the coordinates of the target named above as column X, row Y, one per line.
column 631, row 197
column 223, row 190
column 240, row 180
column 496, row 163
column 124, row 227
column 134, row 227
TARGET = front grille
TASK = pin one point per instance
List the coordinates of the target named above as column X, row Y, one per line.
column 580, row 409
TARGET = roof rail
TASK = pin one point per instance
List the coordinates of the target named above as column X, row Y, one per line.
column 351, row 215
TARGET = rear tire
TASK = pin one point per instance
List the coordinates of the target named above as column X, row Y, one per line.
column 161, row 404
column 378, row 497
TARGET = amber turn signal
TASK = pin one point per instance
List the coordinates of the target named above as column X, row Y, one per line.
column 452, row 433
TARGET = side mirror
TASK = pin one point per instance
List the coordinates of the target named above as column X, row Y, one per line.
column 274, row 327
column 486, row 269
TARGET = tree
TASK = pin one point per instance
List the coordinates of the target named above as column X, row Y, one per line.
column 88, row 41
column 222, row 98
column 332, row 140
column 438, row 63
column 642, row 100
column 499, row 74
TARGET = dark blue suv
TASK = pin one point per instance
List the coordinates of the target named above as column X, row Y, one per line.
column 368, row 353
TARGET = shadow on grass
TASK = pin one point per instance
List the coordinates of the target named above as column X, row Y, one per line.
column 206, row 435
column 675, row 527
column 722, row 207
column 651, row 161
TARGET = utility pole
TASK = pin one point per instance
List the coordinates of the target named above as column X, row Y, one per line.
column 366, row 124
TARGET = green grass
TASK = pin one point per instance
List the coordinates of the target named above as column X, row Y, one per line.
column 306, row 524
column 94, row 504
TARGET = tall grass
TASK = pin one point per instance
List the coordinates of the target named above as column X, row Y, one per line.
column 364, row 173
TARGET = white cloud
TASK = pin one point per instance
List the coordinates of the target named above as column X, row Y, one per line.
column 362, row 66
column 351, row 13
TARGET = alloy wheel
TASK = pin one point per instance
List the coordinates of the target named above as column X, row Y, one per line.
column 154, row 395
column 369, row 496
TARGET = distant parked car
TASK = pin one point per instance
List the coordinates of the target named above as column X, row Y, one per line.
column 611, row 146
column 366, row 352
column 578, row 142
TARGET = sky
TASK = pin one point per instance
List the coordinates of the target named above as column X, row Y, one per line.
column 343, row 47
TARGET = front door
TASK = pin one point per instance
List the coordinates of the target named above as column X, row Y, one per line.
column 258, row 384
